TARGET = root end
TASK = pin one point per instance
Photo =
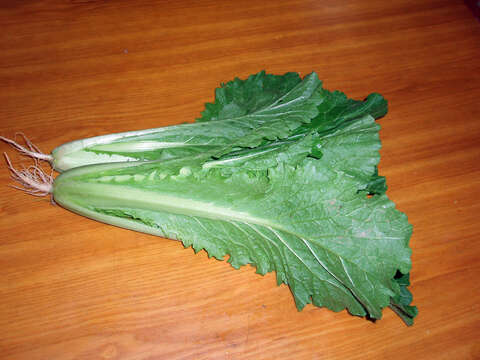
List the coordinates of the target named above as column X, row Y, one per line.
column 33, row 151
column 33, row 180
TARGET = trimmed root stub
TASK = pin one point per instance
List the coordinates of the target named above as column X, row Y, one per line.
column 33, row 179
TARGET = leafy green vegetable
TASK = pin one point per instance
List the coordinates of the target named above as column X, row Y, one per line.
column 240, row 106
column 265, row 106
column 278, row 173
column 287, row 196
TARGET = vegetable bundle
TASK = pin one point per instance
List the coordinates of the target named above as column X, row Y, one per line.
column 278, row 172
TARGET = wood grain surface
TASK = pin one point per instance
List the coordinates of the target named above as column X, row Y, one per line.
column 72, row 288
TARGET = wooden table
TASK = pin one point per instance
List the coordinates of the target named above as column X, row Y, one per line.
column 72, row 288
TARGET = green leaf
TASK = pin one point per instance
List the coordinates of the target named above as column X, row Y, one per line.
column 334, row 112
column 377, row 184
column 258, row 92
column 400, row 303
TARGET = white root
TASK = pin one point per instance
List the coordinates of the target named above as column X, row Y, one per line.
column 33, row 180
column 32, row 151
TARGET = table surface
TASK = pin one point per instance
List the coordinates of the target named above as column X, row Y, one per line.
column 73, row 288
